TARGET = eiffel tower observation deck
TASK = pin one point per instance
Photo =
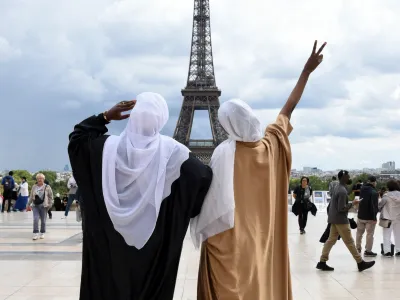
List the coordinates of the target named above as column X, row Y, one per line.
column 201, row 91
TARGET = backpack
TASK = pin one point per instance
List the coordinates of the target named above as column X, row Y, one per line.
column 7, row 184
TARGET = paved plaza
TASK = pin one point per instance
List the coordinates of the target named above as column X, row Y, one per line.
column 50, row 268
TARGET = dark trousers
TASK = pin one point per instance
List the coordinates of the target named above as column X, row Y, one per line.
column 50, row 213
column 7, row 197
column 303, row 216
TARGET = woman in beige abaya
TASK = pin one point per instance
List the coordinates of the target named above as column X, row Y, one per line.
column 242, row 227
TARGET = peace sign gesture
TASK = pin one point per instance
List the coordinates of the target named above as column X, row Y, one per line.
column 315, row 59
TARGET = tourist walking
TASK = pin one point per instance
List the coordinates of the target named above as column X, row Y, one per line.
column 367, row 216
column 139, row 191
column 72, row 187
column 389, row 207
column 41, row 200
column 8, row 184
column 337, row 217
column 23, row 196
column 303, row 195
column 242, row 227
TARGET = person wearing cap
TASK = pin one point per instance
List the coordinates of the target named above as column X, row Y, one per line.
column 337, row 217
column 367, row 212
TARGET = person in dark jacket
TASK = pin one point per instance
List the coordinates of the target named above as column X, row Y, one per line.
column 8, row 184
column 367, row 212
column 302, row 205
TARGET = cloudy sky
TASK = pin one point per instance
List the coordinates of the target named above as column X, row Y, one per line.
column 62, row 61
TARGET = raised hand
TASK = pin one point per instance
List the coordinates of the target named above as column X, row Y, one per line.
column 116, row 112
column 315, row 59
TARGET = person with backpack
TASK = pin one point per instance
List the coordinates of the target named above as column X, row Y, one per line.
column 8, row 184
column 41, row 200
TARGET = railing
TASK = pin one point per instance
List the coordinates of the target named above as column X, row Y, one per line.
column 201, row 143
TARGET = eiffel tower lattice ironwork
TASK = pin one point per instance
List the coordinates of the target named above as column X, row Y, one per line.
column 201, row 91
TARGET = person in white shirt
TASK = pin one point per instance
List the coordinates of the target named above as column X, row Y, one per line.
column 23, row 196
column 72, row 186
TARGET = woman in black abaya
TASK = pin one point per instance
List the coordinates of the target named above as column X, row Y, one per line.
column 140, row 190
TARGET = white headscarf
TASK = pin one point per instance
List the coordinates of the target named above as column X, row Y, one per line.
column 139, row 167
column 218, row 210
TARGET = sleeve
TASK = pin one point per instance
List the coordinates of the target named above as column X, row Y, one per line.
column 31, row 196
column 205, row 185
column 296, row 191
column 78, row 148
column 343, row 205
column 282, row 127
column 382, row 203
column 50, row 195
column 375, row 204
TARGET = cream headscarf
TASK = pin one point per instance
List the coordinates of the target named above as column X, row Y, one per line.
column 218, row 211
column 139, row 167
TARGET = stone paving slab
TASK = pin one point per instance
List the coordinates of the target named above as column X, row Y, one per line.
column 50, row 268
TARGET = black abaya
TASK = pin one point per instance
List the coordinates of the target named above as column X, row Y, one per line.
column 112, row 270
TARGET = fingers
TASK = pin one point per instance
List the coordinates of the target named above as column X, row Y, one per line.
column 321, row 48
column 126, row 105
column 314, row 48
column 123, row 117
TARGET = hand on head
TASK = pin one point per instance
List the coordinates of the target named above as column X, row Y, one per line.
column 315, row 58
column 116, row 112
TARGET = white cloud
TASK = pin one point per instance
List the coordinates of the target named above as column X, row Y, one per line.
column 7, row 52
column 108, row 50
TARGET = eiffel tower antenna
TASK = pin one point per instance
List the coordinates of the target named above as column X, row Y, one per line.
column 201, row 91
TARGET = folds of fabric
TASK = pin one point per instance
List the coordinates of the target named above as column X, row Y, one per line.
column 251, row 260
column 139, row 167
column 111, row 269
column 218, row 211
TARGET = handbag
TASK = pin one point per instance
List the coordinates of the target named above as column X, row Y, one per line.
column 309, row 205
column 38, row 200
column 385, row 223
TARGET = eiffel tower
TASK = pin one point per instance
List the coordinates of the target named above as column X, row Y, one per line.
column 201, row 91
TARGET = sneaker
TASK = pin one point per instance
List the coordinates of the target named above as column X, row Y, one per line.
column 369, row 254
column 324, row 267
column 365, row 265
column 398, row 254
column 389, row 254
column 35, row 236
column 42, row 236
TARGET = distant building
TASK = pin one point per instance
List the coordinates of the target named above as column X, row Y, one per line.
column 311, row 170
column 389, row 166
